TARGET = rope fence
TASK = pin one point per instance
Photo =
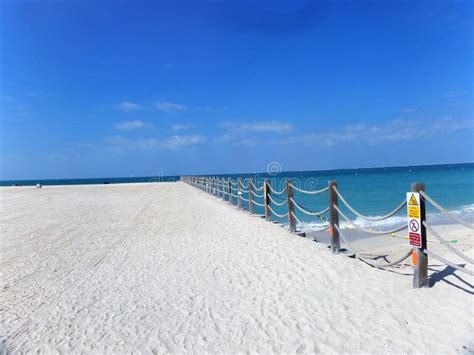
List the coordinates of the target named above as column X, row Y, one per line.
column 272, row 200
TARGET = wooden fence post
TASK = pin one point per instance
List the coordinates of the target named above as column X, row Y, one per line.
column 334, row 218
column 291, row 206
column 239, row 193
column 230, row 192
column 251, row 189
column 419, row 256
column 266, row 198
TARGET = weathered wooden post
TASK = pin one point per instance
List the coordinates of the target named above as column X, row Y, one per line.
column 251, row 189
column 230, row 192
column 334, row 218
column 291, row 206
column 266, row 198
column 239, row 193
column 417, row 235
column 223, row 188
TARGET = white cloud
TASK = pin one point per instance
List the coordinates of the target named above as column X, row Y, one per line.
column 182, row 142
column 181, row 126
column 128, row 106
column 259, row 126
column 174, row 143
column 169, row 106
column 388, row 132
column 251, row 134
column 129, row 125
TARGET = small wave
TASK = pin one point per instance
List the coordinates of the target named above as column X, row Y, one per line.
column 466, row 212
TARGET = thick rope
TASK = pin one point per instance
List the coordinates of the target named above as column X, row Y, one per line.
column 244, row 199
column 277, row 203
column 447, row 245
column 277, row 214
column 443, row 260
column 256, row 187
column 258, row 204
column 305, row 211
column 257, row 195
column 365, row 260
column 398, row 229
column 315, row 192
column 275, row 191
column 369, row 218
column 445, row 211
column 296, row 218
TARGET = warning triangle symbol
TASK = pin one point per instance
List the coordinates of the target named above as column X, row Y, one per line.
column 413, row 201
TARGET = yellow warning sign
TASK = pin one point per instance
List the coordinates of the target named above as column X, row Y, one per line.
column 413, row 211
column 414, row 219
column 413, row 201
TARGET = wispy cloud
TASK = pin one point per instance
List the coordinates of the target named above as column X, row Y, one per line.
column 128, row 106
column 129, row 125
column 169, row 106
column 181, row 126
column 389, row 132
column 259, row 126
column 183, row 142
column 173, row 143
column 408, row 110
column 252, row 133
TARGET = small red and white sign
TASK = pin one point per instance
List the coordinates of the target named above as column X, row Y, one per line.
column 414, row 219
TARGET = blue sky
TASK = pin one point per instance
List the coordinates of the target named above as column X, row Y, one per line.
column 102, row 88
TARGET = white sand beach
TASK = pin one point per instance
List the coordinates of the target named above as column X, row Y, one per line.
column 166, row 268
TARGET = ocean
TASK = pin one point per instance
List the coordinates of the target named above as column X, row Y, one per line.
column 89, row 181
column 377, row 191
column 371, row 191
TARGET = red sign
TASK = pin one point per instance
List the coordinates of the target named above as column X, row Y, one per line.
column 415, row 239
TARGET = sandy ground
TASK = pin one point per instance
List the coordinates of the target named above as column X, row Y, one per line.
column 165, row 268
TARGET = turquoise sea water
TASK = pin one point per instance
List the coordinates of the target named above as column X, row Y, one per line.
column 376, row 191
column 372, row 191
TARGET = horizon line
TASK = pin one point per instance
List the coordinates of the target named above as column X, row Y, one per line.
column 241, row 173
